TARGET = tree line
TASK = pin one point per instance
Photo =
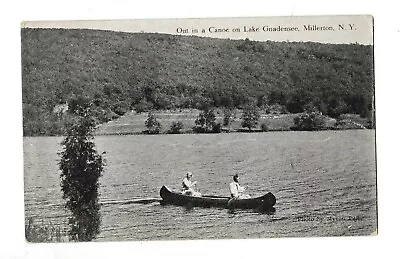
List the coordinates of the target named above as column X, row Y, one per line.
column 249, row 121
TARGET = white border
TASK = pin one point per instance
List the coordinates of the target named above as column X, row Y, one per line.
column 387, row 31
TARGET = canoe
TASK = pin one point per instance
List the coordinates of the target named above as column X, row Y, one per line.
column 262, row 203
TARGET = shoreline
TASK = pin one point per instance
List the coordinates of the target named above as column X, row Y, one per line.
column 195, row 133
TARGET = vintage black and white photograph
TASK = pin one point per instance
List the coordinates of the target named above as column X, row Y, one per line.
column 193, row 129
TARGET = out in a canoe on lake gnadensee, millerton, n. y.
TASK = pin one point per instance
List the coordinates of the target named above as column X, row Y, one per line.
column 116, row 113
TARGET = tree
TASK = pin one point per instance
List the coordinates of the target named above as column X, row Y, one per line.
column 78, row 105
column 276, row 97
column 205, row 121
column 143, row 106
column 228, row 117
column 336, row 107
column 262, row 101
column 298, row 100
column 152, row 124
column 164, row 101
column 120, row 108
column 360, row 105
column 81, row 166
column 201, row 102
column 250, row 117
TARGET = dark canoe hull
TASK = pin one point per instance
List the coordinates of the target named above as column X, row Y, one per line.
column 265, row 202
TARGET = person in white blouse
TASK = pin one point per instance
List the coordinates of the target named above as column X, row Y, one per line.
column 237, row 190
column 188, row 185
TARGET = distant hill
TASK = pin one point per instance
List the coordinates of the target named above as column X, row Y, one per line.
column 120, row 71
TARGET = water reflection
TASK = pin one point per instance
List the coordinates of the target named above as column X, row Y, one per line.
column 269, row 211
column 188, row 208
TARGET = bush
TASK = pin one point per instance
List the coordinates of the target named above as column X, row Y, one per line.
column 353, row 121
column 176, row 127
column 216, row 128
column 198, row 129
column 309, row 122
column 44, row 233
column 264, row 127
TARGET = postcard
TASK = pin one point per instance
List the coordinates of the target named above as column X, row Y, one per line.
column 193, row 129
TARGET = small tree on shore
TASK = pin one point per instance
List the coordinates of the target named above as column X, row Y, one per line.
column 205, row 121
column 152, row 124
column 81, row 166
column 264, row 127
column 228, row 117
column 250, row 117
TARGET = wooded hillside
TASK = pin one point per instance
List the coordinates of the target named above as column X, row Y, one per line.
column 124, row 71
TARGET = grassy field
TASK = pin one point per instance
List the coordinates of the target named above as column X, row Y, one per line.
column 134, row 123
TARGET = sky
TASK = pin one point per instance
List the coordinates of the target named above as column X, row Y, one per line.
column 325, row 29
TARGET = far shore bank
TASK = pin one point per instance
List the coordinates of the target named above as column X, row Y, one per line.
column 133, row 123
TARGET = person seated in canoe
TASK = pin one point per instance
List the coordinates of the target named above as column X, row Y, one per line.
column 188, row 186
column 237, row 190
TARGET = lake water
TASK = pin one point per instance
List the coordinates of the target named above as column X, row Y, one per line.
column 324, row 182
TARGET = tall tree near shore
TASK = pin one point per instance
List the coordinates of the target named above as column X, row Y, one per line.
column 228, row 117
column 81, row 166
column 250, row 116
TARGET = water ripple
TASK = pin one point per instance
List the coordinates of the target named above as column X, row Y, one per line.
column 320, row 179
